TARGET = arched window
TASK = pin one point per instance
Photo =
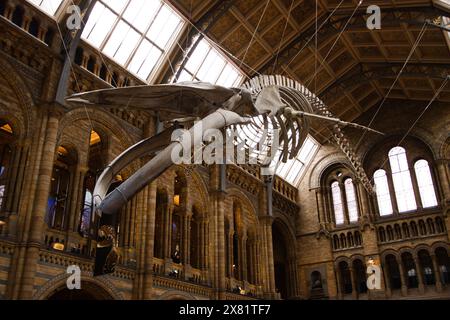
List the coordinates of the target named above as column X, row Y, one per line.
column 382, row 190
column 425, row 184
column 337, row 203
column 382, row 234
column 414, row 229
column 57, row 205
column 405, row 230
column 351, row 200
column 336, row 242
column 401, row 178
column 95, row 164
column 88, row 204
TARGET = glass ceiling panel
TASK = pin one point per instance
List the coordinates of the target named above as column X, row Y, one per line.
column 48, row 6
column 209, row 65
column 135, row 33
column 292, row 171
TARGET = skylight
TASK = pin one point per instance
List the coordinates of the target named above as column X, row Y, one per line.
column 209, row 65
column 48, row 6
column 135, row 33
column 292, row 171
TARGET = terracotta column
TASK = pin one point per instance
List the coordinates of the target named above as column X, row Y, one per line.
column 243, row 245
column 149, row 241
column 416, row 188
column 340, row 290
column 168, row 230
column 344, row 203
column 364, row 207
column 403, row 278
column 387, row 280
column 15, row 189
column 77, row 201
column 268, row 247
column 40, row 205
column 419, row 275
column 353, row 280
column 392, row 193
column 443, row 178
column 320, row 206
column 138, row 253
column 186, row 225
column 437, row 273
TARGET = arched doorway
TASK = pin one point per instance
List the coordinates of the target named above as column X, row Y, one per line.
column 89, row 291
column 346, row 280
column 359, row 270
column 410, row 270
column 392, row 266
column 443, row 262
column 280, row 261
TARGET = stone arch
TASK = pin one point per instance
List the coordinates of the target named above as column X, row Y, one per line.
column 287, row 225
column 357, row 256
column 23, row 95
column 288, row 233
column 104, row 120
column 419, row 134
column 440, row 244
column 420, row 247
column 102, row 284
column 323, row 164
column 239, row 194
column 340, row 259
column 284, row 254
column 176, row 295
column 18, row 127
column 199, row 185
column 403, row 250
column 443, row 141
column 387, row 252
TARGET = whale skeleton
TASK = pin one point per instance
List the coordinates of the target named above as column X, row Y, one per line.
column 264, row 102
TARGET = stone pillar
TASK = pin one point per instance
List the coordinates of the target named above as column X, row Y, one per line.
column 36, row 231
column 387, row 280
column 77, row 200
column 340, row 291
column 168, row 230
column 266, row 222
column 392, row 193
column 230, row 254
column 149, row 241
column 320, row 206
column 403, row 279
column 416, row 188
column 186, row 225
column 443, row 178
column 344, row 203
column 217, row 191
column 243, row 245
column 353, row 280
column 419, row 275
column 364, row 207
column 13, row 188
column 437, row 273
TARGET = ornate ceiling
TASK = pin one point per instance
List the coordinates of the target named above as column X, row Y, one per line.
column 358, row 72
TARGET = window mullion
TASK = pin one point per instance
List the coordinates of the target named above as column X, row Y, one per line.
column 109, row 34
column 143, row 36
column 415, row 186
column 201, row 64
column 344, row 203
column 393, row 196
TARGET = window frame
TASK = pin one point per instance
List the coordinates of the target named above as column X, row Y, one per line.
column 119, row 18
column 432, row 184
column 409, row 192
